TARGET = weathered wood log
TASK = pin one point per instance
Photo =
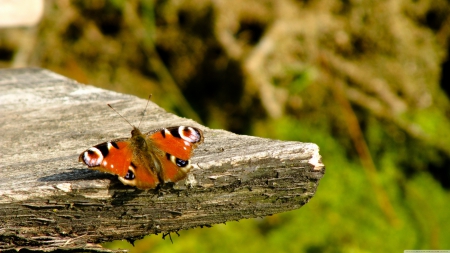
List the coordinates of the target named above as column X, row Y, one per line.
column 49, row 200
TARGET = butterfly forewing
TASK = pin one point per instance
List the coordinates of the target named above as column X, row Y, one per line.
column 178, row 141
column 112, row 157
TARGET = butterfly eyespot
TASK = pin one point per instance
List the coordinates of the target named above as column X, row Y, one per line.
column 129, row 175
column 181, row 163
column 177, row 161
column 92, row 157
column 189, row 134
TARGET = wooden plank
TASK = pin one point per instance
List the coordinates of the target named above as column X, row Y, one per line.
column 49, row 200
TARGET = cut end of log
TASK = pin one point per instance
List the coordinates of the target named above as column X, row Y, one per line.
column 316, row 160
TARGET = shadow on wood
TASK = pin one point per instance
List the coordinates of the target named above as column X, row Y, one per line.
column 49, row 200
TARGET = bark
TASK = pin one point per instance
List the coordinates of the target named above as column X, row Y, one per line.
column 49, row 201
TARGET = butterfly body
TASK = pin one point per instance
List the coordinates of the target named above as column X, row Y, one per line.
column 146, row 160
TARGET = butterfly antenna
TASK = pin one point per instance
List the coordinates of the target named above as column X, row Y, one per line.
column 143, row 114
column 120, row 115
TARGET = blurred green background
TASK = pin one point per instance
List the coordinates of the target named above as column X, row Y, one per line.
column 368, row 81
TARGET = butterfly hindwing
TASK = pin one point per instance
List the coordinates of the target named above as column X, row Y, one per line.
column 140, row 176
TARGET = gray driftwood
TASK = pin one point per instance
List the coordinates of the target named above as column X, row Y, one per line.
column 49, row 200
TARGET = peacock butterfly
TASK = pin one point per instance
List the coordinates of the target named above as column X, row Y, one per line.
column 146, row 160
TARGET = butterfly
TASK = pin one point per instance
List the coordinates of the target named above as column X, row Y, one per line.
column 146, row 160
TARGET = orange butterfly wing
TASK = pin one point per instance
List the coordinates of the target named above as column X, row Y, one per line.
column 115, row 157
column 177, row 144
